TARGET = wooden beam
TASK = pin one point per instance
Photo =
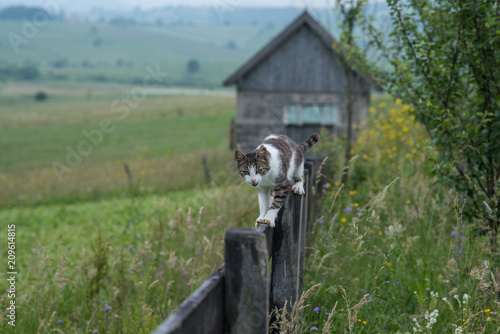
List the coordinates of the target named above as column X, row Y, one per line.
column 246, row 284
column 206, row 305
column 285, row 264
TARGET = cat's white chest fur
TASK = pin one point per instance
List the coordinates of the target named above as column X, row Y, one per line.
column 268, row 181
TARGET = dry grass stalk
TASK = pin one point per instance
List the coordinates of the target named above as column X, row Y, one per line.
column 283, row 318
column 289, row 323
column 356, row 309
column 495, row 284
column 346, row 168
column 328, row 323
column 335, row 197
column 319, row 175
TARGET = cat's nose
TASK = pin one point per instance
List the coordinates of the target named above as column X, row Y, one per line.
column 254, row 182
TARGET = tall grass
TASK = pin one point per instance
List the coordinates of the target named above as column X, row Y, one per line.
column 119, row 265
column 391, row 250
column 389, row 253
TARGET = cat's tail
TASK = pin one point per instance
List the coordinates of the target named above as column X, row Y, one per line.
column 310, row 142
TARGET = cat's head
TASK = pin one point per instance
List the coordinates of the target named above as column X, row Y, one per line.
column 253, row 166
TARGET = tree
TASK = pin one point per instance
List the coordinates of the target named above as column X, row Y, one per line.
column 193, row 66
column 41, row 96
column 350, row 15
column 444, row 59
column 19, row 13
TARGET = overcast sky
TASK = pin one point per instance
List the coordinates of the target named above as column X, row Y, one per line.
column 234, row 3
column 148, row 4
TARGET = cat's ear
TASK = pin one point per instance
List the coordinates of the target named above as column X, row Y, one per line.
column 239, row 156
column 263, row 152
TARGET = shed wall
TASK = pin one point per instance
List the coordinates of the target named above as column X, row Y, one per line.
column 302, row 63
column 260, row 114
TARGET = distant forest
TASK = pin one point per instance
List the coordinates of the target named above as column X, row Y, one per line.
column 168, row 15
column 17, row 13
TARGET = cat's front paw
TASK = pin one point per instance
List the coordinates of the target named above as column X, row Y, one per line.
column 298, row 188
column 264, row 220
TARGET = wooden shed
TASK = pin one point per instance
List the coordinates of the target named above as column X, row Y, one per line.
column 295, row 85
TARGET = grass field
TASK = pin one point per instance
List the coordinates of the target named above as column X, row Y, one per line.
column 391, row 251
column 150, row 138
column 90, row 242
column 138, row 258
column 94, row 254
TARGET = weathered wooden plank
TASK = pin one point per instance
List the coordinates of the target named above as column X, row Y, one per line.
column 268, row 232
column 285, row 263
column 202, row 312
column 246, row 282
column 303, row 228
column 311, row 207
column 302, row 63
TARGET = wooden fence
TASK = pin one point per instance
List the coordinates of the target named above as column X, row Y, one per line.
column 238, row 297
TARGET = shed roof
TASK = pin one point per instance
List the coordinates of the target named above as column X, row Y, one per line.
column 304, row 19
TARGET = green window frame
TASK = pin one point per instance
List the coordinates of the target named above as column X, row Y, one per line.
column 318, row 114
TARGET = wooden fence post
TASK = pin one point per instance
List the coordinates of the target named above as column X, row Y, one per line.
column 246, row 282
column 285, row 264
column 239, row 296
column 303, row 228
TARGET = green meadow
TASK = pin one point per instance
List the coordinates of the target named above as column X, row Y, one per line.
column 91, row 241
column 102, row 52
column 117, row 222
column 155, row 137
column 389, row 250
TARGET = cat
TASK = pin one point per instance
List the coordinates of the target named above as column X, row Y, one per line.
column 275, row 167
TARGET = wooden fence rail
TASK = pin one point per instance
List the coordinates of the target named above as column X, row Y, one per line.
column 239, row 296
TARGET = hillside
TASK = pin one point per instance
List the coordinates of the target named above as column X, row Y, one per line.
column 103, row 52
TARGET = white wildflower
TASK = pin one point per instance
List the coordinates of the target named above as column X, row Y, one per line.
column 431, row 318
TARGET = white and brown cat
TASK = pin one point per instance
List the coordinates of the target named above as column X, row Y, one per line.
column 275, row 167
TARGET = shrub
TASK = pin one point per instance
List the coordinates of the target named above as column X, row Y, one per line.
column 41, row 96
column 193, row 66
